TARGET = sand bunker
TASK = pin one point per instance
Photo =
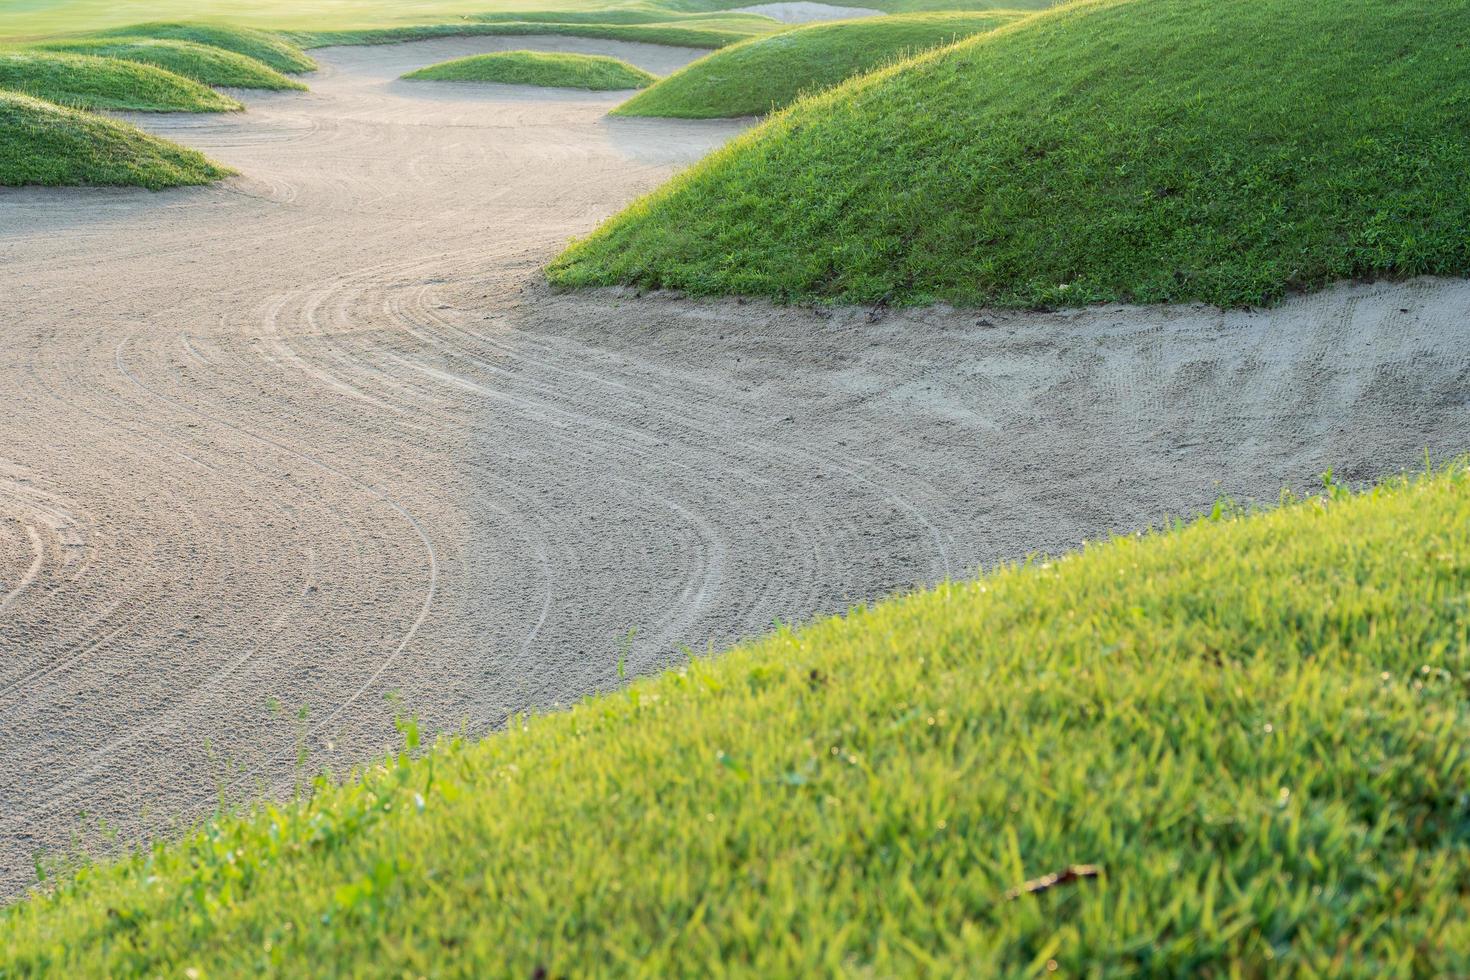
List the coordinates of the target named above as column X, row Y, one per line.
column 802, row 13
column 318, row 435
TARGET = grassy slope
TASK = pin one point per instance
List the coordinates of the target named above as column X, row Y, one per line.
column 769, row 73
column 1255, row 726
column 1217, row 150
column 201, row 62
column 86, row 82
column 593, row 72
column 692, row 32
column 41, row 143
column 267, row 48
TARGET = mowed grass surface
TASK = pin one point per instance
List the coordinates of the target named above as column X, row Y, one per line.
column 38, row 17
column 263, row 46
column 33, row 18
column 87, row 82
column 770, row 73
column 42, row 143
column 580, row 71
column 380, row 21
column 201, row 62
column 1253, row 730
column 1218, row 150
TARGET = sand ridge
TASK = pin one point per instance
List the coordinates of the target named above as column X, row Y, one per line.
column 321, row 434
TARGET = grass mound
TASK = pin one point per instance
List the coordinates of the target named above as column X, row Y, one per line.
column 87, row 82
column 1240, row 748
column 651, row 26
column 42, row 143
column 692, row 31
column 584, row 71
column 265, row 47
column 203, row 63
column 767, row 73
column 1216, row 150
column 643, row 14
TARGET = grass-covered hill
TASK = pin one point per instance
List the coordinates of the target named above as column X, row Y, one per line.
column 1217, row 150
column 730, row 26
column 42, row 143
column 1235, row 749
column 692, row 31
column 641, row 14
column 263, row 46
column 594, row 72
column 203, row 63
column 768, row 73
column 88, row 82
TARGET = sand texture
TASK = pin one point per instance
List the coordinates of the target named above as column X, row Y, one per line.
column 322, row 434
column 803, row 12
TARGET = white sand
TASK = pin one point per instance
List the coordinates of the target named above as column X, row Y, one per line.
column 319, row 435
column 803, row 12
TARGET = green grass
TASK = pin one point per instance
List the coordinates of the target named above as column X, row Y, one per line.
column 768, row 73
column 753, row 23
column 1218, row 150
column 693, row 32
column 583, row 71
column 1254, row 727
column 86, row 82
column 653, row 26
column 35, row 18
column 42, row 143
column 203, row 63
column 268, row 48
column 315, row 23
column 46, row 17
